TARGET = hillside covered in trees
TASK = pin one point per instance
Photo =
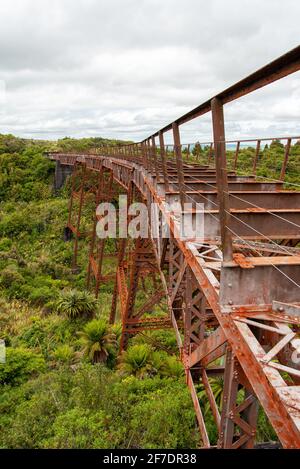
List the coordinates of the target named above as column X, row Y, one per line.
column 63, row 384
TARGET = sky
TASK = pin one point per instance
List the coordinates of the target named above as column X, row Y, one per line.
column 125, row 68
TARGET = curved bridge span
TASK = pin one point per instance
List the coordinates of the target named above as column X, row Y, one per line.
column 232, row 292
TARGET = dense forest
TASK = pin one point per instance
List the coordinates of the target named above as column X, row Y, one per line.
column 63, row 384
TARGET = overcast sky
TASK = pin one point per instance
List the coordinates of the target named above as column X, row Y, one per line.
column 124, row 68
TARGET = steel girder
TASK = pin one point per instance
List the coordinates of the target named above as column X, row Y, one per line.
column 249, row 345
column 232, row 296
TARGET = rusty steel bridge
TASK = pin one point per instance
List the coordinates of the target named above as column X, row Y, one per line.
column 233, row 296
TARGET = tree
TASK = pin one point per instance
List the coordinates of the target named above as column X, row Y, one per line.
column 97, row 341
column 137, row 361
column 20, row 365
column 74, row 304
column 197, row 149
column 172, row 367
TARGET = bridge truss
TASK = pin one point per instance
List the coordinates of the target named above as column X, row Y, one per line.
column 231, row 296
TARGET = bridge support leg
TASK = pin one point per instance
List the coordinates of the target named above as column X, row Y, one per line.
column 61, row 174
column 221, row 173
column 82, row 193
column 97, row 254
column 239, row 408
column 120, row 288
column 142, row 267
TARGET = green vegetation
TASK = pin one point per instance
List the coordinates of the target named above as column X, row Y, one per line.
column 76, row 304
column 98, row 341
column 269, row 162
column 63, row 384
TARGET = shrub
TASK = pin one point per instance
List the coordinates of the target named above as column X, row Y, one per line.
column 164, row 418
column 41, row 295
column 137, row 361
column 10, row 275
column 20, row 365
column 172, row 367
column 79, row 428
column 4, row 307
column 74, row 304
column 64, row 354
column 31, row 421
column 159, row 339
column 97, row 341
column 48, row 333
column 5, row 244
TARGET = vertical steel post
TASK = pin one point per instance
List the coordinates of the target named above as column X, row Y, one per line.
column 178, row 154
column 187, row 312
column 210, row 153
column 236, row 154
column 81, row 198
column 121, row 254
column 144, row 155
column 155, row 158
column 93, row 238
column 108, row 191
column 188, row 151
column 221, row 172
column 72, row 192
column 163, row 159
column 256, row 156
column 149, row 156
column 229, row 399
column 286, row 158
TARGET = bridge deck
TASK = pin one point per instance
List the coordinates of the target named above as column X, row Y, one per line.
column 231, row 293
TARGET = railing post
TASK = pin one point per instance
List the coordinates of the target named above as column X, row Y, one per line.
column 81, row 200
column 145, row 155
column 148, row 149
column 286, row 158
column 136, row 152
column 221, row 172
column 188, row 151
column 236, row 155
column 256, row 156
column 155, row 158
column 210, row 153
column 197, row 148
column 163, row 159
column 178, row 154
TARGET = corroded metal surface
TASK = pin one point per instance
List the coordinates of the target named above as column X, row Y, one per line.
column 232, row 296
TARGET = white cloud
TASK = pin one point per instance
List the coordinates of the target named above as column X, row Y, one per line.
column 124, row 68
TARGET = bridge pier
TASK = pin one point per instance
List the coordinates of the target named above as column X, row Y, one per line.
column 234, row 310
column 62, row 171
